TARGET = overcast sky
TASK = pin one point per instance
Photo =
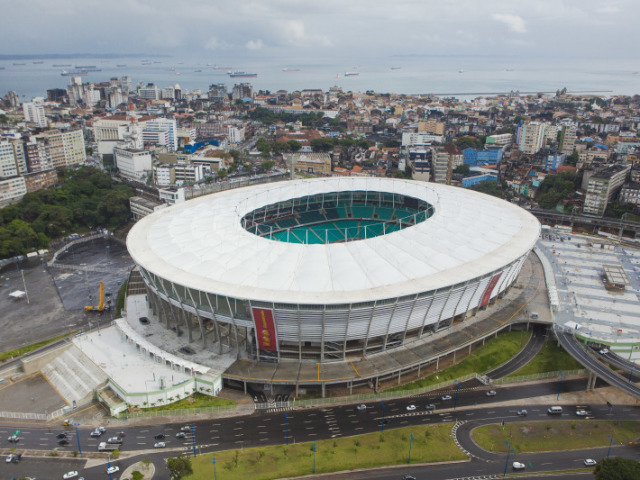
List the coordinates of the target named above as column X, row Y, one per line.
column 349, row 29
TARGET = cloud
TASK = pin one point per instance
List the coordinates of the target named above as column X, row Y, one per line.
column 608, row 9
column 215, row 44
column 254, row 44
column 514, row 23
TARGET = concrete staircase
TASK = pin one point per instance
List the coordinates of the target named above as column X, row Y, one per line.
column 74, row 376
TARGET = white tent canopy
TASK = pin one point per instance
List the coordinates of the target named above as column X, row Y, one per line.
column 18, row 294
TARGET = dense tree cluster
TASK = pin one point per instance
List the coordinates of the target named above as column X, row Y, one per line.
column 269, row 117
column 555, row 188
column 87, row 198
column 493, row 188
column 617, row 469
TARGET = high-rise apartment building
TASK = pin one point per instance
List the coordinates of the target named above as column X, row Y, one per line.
column 161, row 131
column 602, row 186
column 34, row 113
column 65, row 149
column 531, row 137
column 568, row 140
column 8, row 167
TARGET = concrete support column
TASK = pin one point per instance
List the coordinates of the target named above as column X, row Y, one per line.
column 323, row 390
column 454, row 356
column 437, row 363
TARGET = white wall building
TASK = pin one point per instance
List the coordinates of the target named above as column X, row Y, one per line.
column 161, row 131
column 8, row 167
column 34, row 113
column 531, row 137
column 235, row 134
column 12, row 190
column 414, row 138
column 133, row 164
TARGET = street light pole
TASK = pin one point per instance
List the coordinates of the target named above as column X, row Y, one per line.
column 410, row 438
column 215, row 475
column 314, row 457
column 610, row 442
column 78, row 439
column 382, row 422
column 193, row 438
column 506, row 463
column 562, row 377
column 286, row 422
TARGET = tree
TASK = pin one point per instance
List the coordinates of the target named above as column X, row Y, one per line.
column 617, row 469
column 263, row 146
column 266, row 166
column 179, row 467
column 573, row 159
column 323, row 144
column 463, row 169
column 294, row 145
column 393, row 143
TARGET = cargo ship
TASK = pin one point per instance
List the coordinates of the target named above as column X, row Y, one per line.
column 242, row 75
column 351, row 74
column 120, row 66
column 290, row 69
column 76, row 73
column 84, row 67
column 61, row 65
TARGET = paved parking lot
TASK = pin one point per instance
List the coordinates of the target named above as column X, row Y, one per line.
column 30, row 394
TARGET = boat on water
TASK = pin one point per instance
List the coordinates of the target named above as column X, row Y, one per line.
column 61, row 65
column 19, row 63
column 197, row 71
column 461, row 70
column 84, row 67
column 290, row 69
column 74, row 73
column 216, row 67
column 39, row 62
column 242, row 75
column 396, row 68
column 120, row 66
column 351, row 74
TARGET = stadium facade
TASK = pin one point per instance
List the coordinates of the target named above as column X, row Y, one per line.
column 328, row 269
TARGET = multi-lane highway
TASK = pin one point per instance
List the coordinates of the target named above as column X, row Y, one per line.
column 270, row 428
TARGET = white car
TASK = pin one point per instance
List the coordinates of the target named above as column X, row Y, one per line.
column 604, row 351
column 113, row 469
column 491, row 393
column 445, row 397
column 581, row 413
column 411, row 408
column 361, row 407
column 9, row 458
column 589, row 462
column 159, row 445
column 71, row 474
column 186, row 428
column 518, row 466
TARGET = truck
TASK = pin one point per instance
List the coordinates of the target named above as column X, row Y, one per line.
column 108, row 447
column 102, row 306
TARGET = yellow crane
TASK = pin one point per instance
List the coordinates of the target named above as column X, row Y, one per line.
column 101, row 306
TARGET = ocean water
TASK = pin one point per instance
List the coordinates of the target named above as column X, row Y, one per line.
column 445, row 75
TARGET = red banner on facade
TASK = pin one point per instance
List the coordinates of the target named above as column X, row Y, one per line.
column 265, row 329
column 487, row 293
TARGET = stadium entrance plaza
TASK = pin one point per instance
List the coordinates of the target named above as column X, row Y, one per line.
column 608, row 317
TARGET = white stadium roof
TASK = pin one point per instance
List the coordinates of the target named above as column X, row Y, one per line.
column 201, row 244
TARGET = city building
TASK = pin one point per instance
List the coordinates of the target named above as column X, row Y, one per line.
column 567, row 142
column 65, row 149
column 8, row 165
column 133, row 163
column 34, row 113
column 555, row 161
column 602, row 186
column 490, row 155
column 161, row 131
column 531, row 137
column 12, row 190
column 41, row 180
column 315, row 163
column 148, row 92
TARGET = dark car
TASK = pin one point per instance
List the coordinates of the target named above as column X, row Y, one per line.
column 17, row 458
column 64, row 441
column 160, row 436
column 383, row 422
column 430, row 406
column 61, row 435
column 143, row 320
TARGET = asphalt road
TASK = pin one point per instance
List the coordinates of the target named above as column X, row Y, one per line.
column 577, row 351
column 315, row 424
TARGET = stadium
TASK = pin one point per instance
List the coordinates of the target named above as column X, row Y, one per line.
column 326, row 270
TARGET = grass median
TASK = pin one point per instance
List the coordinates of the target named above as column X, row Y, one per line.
column 492, row 354
column 551, row 358
column 30, row 348
column 430, row 443
column 545, row 436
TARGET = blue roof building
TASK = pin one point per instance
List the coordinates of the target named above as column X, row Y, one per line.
column 491, row 155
